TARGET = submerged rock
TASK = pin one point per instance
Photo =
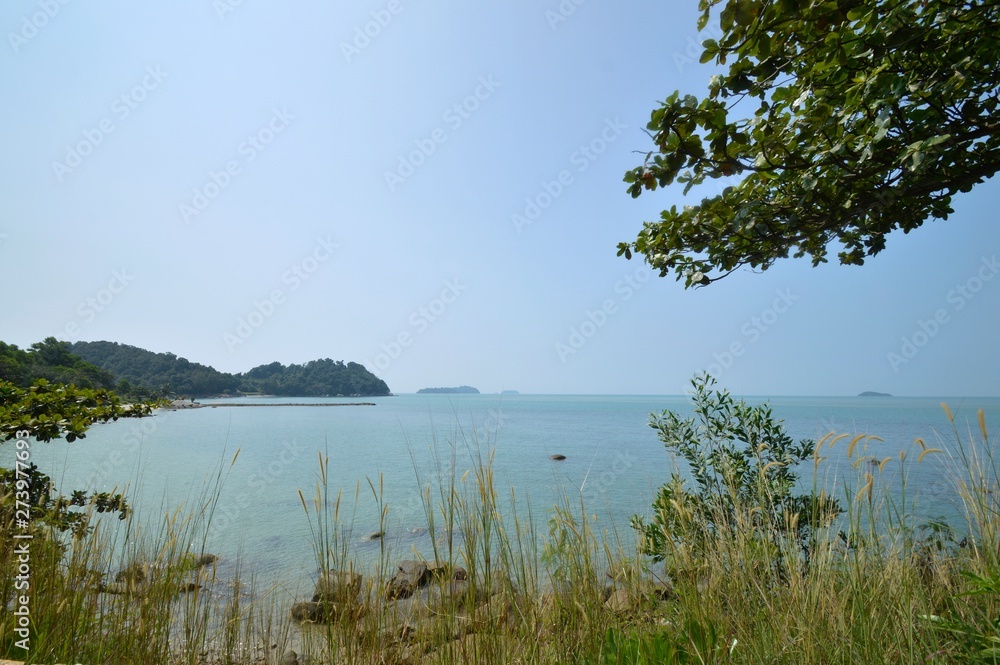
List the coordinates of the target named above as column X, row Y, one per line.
column 128, row 587
column 137, row 573
column 206, row 560
column 619, row 601
column 337, row 586
column 117, row 588
column 399, row 588
column 412, row 575
column 460, row 592
column 661, row 589
column 313, row 611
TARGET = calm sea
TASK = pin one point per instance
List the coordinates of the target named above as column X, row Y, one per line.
column 405, row 443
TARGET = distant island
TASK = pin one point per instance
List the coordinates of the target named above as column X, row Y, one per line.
column 509, row 392
column 461, row 390
column 869, row 393
column 139, row 373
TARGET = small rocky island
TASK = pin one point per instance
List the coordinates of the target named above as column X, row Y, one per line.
column 869, row 393
column 460, row 390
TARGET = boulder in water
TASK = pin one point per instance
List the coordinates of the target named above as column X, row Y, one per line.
column 311, row 611
column 337, row 586
column 411, row 576
column 206, row 560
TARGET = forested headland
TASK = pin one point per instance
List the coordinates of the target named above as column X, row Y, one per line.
column 139, row 374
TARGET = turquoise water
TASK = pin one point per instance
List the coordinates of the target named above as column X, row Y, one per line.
column 613, row 458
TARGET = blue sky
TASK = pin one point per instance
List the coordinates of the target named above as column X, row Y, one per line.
column 433, row 190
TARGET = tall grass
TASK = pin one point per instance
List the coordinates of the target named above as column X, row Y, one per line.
column 879, row 586
column 134, row 592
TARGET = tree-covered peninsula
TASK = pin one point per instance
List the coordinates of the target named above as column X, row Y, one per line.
column 139, row 370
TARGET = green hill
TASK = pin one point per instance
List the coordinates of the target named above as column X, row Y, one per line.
column 166, row 373
column 53, row 361
column 159, row 373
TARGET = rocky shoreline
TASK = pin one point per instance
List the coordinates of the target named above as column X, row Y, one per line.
column 421, row 592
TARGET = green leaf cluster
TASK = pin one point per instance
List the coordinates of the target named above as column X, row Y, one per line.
column 698, row 643
column 839, row 121
column 47, row 411
column 976, row 641
column 53, row 361
column 48, row 508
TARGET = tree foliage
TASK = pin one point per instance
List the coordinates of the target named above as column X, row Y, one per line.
column 150, row 373
column 316, row 378
column 53, row 361
column 841, row 120
column 44, row 412
column 47, row 411
column 46, row 507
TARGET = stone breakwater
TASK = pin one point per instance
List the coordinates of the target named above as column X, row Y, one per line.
column 178, row 405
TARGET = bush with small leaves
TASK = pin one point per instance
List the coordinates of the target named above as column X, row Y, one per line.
column 741, row 461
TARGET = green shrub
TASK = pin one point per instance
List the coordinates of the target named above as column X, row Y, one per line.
column 741, row 461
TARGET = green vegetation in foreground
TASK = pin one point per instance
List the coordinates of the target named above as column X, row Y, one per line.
column 743, row 466
column 43, row 412
column 166, row 373
column 737, row 588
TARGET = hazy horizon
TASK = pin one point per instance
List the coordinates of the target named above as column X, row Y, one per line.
column 434, row 192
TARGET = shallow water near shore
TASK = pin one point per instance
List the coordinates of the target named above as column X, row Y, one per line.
column 405, row 443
